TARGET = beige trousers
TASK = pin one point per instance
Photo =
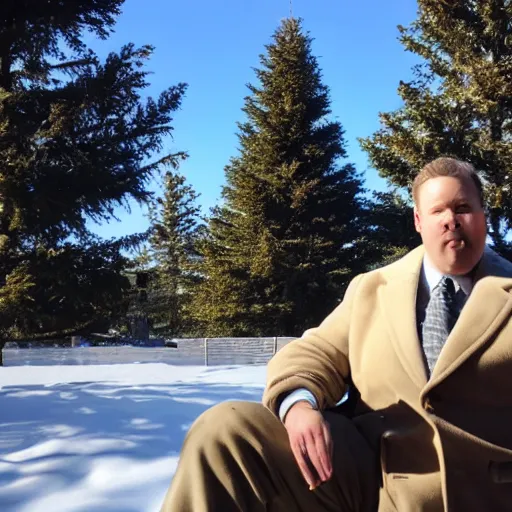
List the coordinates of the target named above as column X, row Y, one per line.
column 237, row 457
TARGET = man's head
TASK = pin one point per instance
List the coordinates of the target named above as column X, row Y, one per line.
column 449, row 214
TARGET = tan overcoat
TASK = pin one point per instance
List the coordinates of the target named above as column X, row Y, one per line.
column 445, row 443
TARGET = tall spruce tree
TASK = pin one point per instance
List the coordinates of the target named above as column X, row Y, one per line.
column 282, row 246
column 459, row 103
column 76, row 139
column 175, row 227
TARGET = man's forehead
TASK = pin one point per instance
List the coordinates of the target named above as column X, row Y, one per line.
column 455, row 184
column 446, row 188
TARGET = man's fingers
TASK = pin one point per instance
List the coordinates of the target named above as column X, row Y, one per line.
column 324, row 440
column 317, row 454
column 323, row 454
column 299, row 452
column 328, row 441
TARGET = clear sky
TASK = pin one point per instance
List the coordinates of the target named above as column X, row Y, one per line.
column 214, row 46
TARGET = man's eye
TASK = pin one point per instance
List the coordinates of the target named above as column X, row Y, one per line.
column 463, row 208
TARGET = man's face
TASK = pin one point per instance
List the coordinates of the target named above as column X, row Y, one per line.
column 451, row 221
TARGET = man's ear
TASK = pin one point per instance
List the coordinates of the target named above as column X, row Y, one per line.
column 417, row 220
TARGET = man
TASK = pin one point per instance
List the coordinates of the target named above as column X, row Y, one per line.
column 427, row 343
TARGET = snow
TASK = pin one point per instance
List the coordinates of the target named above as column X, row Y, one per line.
column 103, row 438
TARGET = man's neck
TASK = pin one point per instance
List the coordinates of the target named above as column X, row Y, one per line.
column 433, row 275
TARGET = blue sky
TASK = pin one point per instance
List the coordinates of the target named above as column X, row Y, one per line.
column 213, row 46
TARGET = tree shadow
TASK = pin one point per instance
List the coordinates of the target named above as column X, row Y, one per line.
column 97, row 446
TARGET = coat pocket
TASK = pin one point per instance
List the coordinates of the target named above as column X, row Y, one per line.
column 411, row 482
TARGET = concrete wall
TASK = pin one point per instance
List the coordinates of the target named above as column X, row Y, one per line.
column 200, row 351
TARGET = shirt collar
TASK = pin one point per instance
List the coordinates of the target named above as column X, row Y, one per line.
column 433, row 276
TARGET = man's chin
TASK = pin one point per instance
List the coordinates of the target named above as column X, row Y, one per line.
column 460, row 261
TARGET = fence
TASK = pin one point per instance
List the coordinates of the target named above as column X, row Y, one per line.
column 200, row 351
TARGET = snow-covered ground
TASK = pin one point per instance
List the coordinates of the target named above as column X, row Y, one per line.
column 103, row 438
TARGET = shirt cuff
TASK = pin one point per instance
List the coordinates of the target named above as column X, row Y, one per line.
column 299, row 395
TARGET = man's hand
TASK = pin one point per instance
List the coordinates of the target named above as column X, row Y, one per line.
column 311, row 442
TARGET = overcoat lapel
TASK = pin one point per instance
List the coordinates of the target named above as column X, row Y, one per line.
column 488, row 306
column 398, row 302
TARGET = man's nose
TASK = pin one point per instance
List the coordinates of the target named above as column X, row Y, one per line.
column 451, row 222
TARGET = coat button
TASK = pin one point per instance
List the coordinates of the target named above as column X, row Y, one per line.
column 428, row 406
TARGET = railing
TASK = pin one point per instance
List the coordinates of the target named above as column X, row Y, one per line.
column 199, row 351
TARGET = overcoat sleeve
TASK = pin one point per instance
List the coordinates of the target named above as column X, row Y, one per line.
column 318, row 361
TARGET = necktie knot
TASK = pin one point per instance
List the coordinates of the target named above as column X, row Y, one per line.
column 447, row 284
column 446, row 288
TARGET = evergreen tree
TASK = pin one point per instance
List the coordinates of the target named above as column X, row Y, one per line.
column 76, row 140
column 459, row 103
column 282, row 246
column 175, row 225
column 389, row 231
column 77, row 289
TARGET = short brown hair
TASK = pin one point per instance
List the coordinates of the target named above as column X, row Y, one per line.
column 451, row 167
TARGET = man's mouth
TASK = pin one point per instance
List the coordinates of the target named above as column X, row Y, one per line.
column 456, row 243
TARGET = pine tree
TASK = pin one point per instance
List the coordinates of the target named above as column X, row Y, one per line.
column 389, row 231
column 175, row 226
column 281, row 248
column 77, row 289
column 76, row 140
column 459, row 103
